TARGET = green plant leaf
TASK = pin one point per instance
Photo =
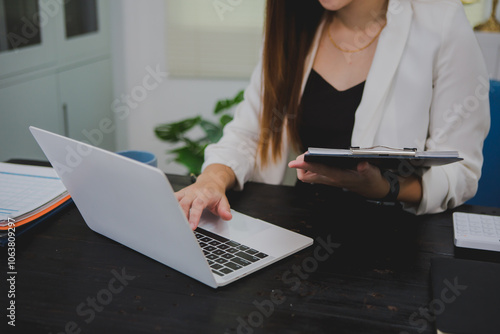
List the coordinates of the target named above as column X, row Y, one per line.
column 213, row 131
column 191, row 154
column 228, row 103
column 225, row 119
column 190, row 158
column 173, row 132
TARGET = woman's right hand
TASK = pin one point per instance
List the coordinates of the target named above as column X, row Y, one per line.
column 208, row 192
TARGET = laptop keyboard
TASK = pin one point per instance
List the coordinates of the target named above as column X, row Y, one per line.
column 225, row 256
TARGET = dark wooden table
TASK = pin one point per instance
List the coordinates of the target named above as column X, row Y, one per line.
column 371, row 277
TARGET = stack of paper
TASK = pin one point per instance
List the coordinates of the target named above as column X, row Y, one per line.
column 28, row 193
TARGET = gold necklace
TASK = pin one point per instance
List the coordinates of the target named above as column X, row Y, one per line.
column 357, row 50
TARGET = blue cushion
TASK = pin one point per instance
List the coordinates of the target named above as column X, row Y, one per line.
column 488, row 193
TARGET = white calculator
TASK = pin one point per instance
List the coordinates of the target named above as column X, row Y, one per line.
column 476, row 231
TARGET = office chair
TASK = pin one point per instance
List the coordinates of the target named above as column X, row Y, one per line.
column 488, row 193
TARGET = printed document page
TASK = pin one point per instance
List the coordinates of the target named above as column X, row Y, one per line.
column 25, row 188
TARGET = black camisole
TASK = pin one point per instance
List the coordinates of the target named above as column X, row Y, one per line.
column 327, row 115
column 326, row 120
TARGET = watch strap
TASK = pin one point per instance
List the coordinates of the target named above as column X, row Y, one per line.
column 394, row 187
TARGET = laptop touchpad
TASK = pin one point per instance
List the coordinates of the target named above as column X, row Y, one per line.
column 240, row 227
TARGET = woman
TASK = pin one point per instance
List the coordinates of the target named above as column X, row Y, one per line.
column 336, row 73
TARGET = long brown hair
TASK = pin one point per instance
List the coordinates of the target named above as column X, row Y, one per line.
column 289, row 30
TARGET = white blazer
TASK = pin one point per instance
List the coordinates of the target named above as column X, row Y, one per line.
column 427, row 88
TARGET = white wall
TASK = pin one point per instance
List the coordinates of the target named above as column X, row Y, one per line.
column 138, row 43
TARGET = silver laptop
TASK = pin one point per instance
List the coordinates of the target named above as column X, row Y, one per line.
column 134, row 204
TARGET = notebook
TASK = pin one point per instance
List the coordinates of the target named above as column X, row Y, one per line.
column 27, row 193
column 134, row 204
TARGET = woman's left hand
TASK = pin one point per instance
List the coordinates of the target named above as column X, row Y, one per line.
column 366, row 180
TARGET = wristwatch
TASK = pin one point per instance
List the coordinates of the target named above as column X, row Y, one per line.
column 393, row 180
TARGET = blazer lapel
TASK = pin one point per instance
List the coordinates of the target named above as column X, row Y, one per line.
column 390, row 48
